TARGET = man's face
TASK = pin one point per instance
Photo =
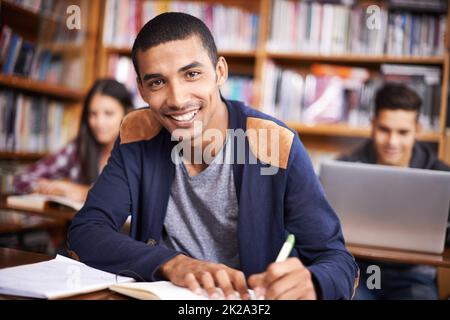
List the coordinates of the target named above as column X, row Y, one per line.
column 394, row 134
column 181, row 85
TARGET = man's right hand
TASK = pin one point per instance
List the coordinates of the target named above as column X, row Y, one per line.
column 197, row 274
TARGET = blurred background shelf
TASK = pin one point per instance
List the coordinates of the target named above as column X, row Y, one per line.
column 49, row 89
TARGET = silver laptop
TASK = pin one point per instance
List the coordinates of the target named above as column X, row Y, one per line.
column 390, row 207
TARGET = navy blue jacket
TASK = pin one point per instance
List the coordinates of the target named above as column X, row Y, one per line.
column 137, row 180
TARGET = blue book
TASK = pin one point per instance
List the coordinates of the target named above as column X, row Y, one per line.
column 16, row 43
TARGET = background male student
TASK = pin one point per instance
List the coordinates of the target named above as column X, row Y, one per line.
column 394, row 129
column 207, row 225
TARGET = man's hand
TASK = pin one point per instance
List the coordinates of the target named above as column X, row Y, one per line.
column 287, row 280
column 196, row 274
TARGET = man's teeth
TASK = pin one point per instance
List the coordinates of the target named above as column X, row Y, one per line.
column 185, row 117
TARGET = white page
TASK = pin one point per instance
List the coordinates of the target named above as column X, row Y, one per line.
column 166, row 290
column 57, row 278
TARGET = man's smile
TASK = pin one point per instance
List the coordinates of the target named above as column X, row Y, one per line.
column 184, row 118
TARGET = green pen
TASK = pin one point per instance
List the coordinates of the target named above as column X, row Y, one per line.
column 286, row 248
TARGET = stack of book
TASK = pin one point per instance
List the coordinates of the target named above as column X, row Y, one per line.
column 233, row 28
column 333, row 29
column 36, row 6
column 238, row 88
column 327, row 94
column 337, row 94
column 121, row 68
column 8, row 169
column 24, row 58
column 34, row 124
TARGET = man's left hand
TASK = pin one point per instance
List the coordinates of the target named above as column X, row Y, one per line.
column 287, row 280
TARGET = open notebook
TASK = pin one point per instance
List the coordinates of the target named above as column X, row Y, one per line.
column 58, row 278
column 159, row 290
column 35, row 201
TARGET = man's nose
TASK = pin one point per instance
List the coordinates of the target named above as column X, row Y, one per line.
column 393, row 139
column 177, row 96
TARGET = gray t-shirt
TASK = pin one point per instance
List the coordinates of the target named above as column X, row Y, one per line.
column 202, row 212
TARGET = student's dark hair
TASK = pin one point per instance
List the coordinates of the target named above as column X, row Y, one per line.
column 88, row 148
column 393, row 96
column 171, row 26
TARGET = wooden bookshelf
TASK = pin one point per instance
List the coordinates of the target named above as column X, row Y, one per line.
column 26, row 16
column 253, row 63
column 37, row 28
column 48, row 89
column 344, row 130
column 357, row 59
column 21, row 12
column 323, row 136
column 125, row 51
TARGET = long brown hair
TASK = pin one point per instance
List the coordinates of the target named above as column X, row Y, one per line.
column 88, row 148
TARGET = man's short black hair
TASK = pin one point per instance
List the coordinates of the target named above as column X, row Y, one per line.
column 171, row 26
column 393, row 96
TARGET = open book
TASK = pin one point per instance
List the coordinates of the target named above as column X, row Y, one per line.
column 35, row 201
column 54, row 279
column 159, row 290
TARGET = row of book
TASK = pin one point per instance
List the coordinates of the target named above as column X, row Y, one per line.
column 36, row 6
column 8, row 169
column 330, row 29
column 54, row 18
column 24, row 58
column 121, row 68
column 336, row 94
column 233, row 28
column 238, row 87
column 34, row 124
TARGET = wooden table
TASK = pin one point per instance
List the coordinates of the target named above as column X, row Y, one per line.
column 400, row 256
column 12, row 257
column 442, row 262
column 53, row 220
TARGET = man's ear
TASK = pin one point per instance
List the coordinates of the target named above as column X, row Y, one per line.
column 221, row 71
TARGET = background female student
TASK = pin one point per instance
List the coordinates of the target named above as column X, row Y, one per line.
column 72, row 170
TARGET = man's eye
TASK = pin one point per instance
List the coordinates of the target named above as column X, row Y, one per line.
column 404, row 132
column 192, row 74
column 156, row 83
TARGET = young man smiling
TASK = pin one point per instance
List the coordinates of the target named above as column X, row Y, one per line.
column 394, row 129
column 208, row 224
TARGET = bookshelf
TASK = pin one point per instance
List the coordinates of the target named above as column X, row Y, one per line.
column 324, row 137
column 52, row 90
column 44, row 66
